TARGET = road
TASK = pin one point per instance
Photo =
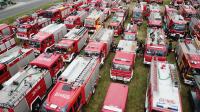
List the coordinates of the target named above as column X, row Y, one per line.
column 22, row 6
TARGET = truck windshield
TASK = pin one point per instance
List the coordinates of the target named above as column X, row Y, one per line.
column 6, row 31
column 35, row 44
column 90, row 22
column 179, row 27
column 129, row 36
column 121, row 67
column 91, row 53
column 153, row 52
column 22, row 30
column 137, row 15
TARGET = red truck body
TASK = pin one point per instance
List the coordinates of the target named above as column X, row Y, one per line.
column 155, row 20
column 47, row 37
column 194, row 28
column 177, row 2
column 74, row 87
column 115, row 102
column 100, row 44
column 7, row 40
column 24, row 19
column 26, row 30
column 155, row 45
column 72, row 43
column 117, row 25
column 124, row 60
column 187, row 11
column 130, row 33
column 25, row 91
column 175, row 25
column 13, row 60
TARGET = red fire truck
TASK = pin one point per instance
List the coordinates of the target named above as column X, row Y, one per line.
column 74, row 87
column 76, row 20
column 130, row 33
column 194, row 95
column 93, row 21
column 175, row 25
column 188, row 58
column 187, row 11
column 47, row 36
column 25, row 91
column 163, row 94
column 155, row 45
column 26, row 30
column 24, row 19
column 117, row 24
column 115, row 102
column 177, row 2
column 7, row 40
column 13, row 60
column 194, row 28
column 155, row 1
column 100, row 44
column 123, row 61
column 155, row 20
column 71, row 44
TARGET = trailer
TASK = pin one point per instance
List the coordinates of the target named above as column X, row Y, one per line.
column 47, row 37
column 7, row 34
column 187, row 11
column 155, row 20
column 100, row 44
column 26, row 30
column 117, row 24
column 74, row 87
column 13, row 60
column 115, row 102
column 25, row 91
column 187, row 55
column 130, row 33
column 175, row 25
column 71, row 44
column 194, row 28
column 123, row 61
column 163, row 93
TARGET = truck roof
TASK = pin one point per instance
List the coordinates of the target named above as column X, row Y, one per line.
column 174, row 15
column 124, row 58
column 40, row 36
column 115, row 102
column 45, row 60
column 52, row 28
column 165, row 87
column 131, row 28
column 13, row 54
column 64, row 43
column 189, row 9
column 39, row 20
column 94, row 46
column 191, row 50
column 17, row 87
column 2, row 26
column 116, row 21
column 94, row 14
column 75, row 33
column 156, row 37
column 103, row 35
column 154, row 7
column 127, row 46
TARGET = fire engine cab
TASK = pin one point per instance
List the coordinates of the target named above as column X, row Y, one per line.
column 26, row 30
column 115, row 102
column 163, row 94
column 71, row 44
column 123, row 61
column 155, row 20
column 76, row 20
column 188, row 59
column 175, row 25
column 117, row 24
column 25, row 91
column 100, row 44
column 7, row 40
column 194, row 28
column 94, row 20
column 155, row 45
column 13, row 60
column 47, row 36
column 130, row 33
column 187, row 11
column 74, row 87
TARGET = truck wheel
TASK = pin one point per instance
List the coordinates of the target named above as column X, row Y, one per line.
column 93, row 90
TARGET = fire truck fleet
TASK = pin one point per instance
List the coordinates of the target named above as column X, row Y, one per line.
column 34, row 77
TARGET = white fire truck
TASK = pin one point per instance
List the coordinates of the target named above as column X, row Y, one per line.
column 163, row 93
column 25, row 91
column 74, row 87
column 71, row 44
column 100, row 44
column 13, row 60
